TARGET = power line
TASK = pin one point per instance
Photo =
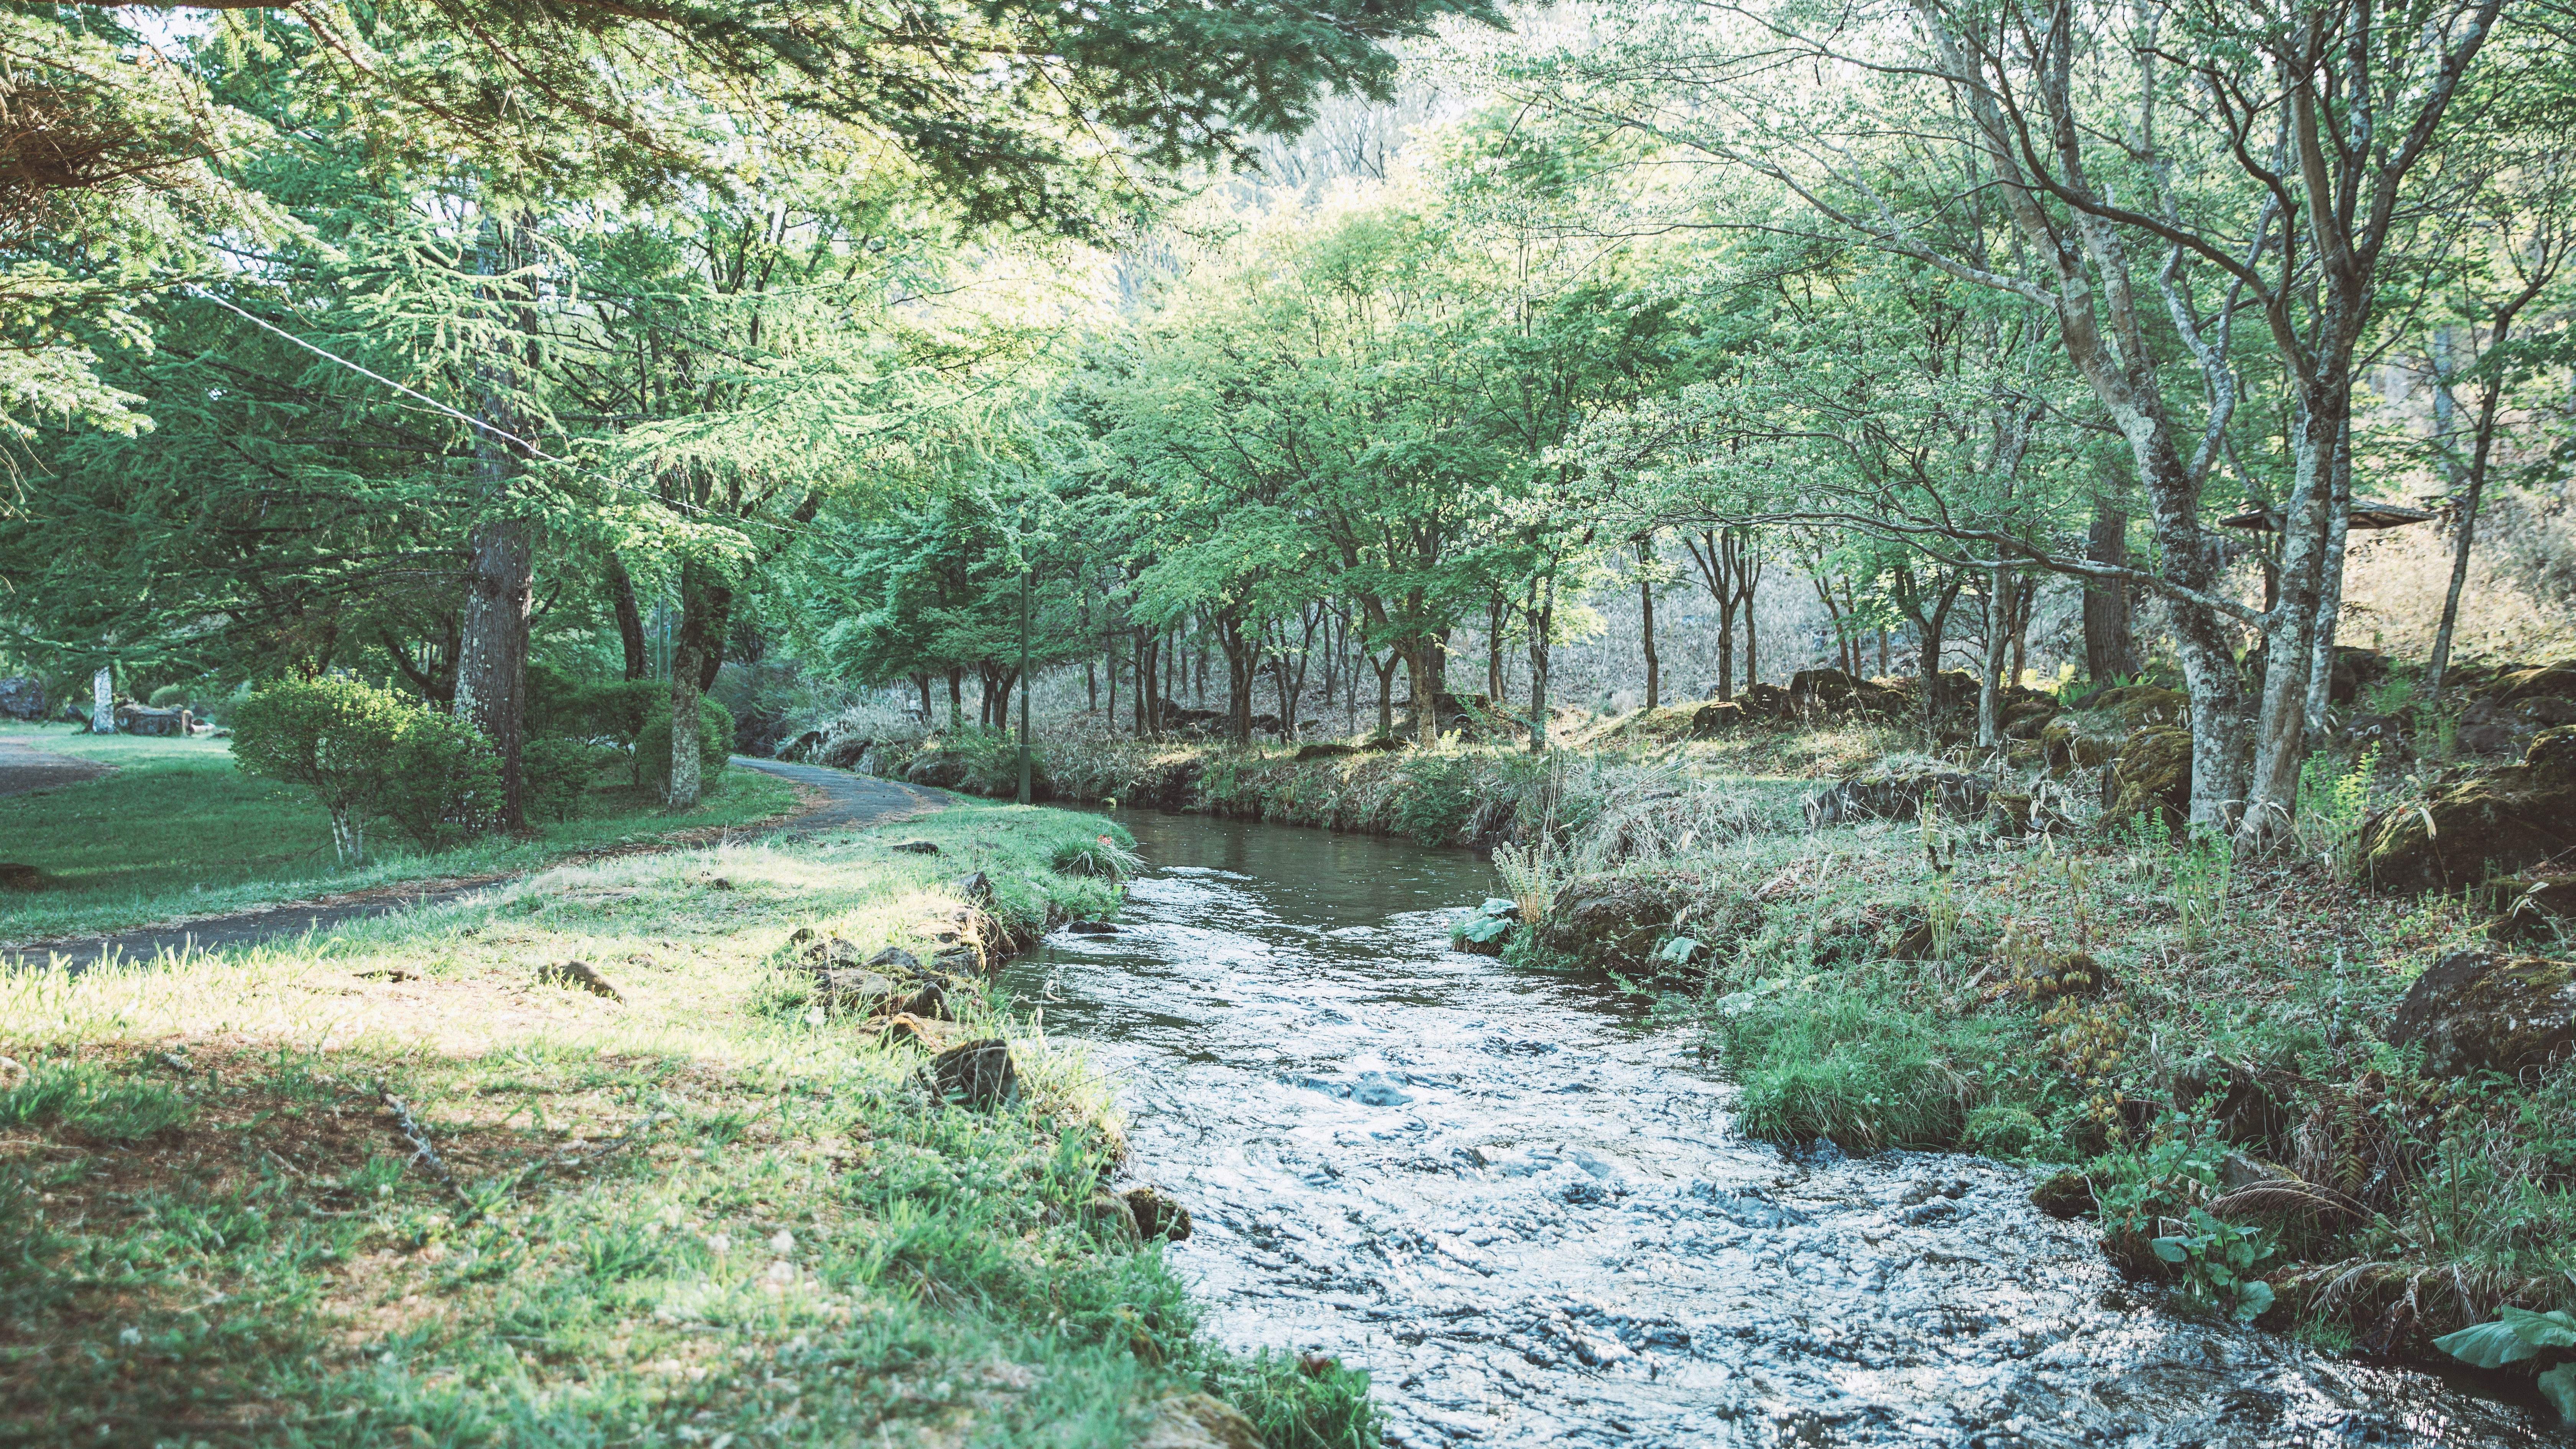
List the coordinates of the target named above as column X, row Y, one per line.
column 531, row 449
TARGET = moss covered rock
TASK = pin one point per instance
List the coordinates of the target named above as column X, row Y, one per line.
column 2477, row 1011
column 2151, row 772
column 1898, row 794
column 2506, row 820
column 1622, row 922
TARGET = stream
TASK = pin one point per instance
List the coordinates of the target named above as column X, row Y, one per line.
column 1529, row 1216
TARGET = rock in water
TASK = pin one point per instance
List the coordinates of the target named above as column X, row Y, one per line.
column 1092, row 928
column 578, row 973
column 2502, row 821
column 1155, row 1215
column 976, row 1074
column 1199, row 1421
column 2476, row 1011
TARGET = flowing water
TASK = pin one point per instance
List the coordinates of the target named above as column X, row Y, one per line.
column 1529, row 1215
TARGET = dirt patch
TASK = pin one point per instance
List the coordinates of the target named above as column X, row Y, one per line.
column 24, row 768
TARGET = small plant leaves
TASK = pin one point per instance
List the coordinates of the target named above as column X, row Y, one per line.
column 2171, row 1250
column 1481, row 929
column 2487, row 1345
column 2254, row 1302
column 1678, row 951
column 2559, row 1386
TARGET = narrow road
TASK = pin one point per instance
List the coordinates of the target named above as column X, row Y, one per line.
column 849, row 802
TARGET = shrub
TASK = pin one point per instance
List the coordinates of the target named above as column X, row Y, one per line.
column 559, row 770
column 334, row 737
column 170, row 696
column 444, row 780
column 653, row 745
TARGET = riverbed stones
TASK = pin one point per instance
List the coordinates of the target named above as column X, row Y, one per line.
column 2464, row 834
column 2477, row 1010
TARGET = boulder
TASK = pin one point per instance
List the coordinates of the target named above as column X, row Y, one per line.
column 977, row 1074
column 2355, row 670
column 2476, row 1010
column 943, row 768
column 2528, row 907
column 2151, row 772
column 577, row 973
column 974, row 887
column 1822, row 691
column 1612, row 921
column 2504, row 820
column 1198, row 1421
column 1716, row 718
column 2531, row 685
column 1326, row 750
column 2132, row 706
column 22, row 698
column 1155, row 1215
column 1764, row 701
column 16, row 877
column 1898, row 794
column 916, row 847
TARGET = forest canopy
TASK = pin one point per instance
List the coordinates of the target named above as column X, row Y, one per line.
column 469, row 346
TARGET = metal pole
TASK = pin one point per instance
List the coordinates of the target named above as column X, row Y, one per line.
column 1024, row 685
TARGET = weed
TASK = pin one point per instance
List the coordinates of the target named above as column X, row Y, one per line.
column 2203, row 876
column 2334, row 800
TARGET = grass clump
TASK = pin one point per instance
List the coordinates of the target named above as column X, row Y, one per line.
column 666, row 1217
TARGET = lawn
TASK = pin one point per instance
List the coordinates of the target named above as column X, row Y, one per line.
column 178, row 831
column 702, row 1213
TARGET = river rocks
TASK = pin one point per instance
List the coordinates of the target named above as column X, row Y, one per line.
column 1198, row 1421
column 1612, row 921
column 2065, row 1196
column 2151, row 773
column 1898, row 794
column 1154, row 1215
column 1377, row 1089
column 977, row 1074
column 2478, row 1011
column 2506, row 820
column 1091, row 928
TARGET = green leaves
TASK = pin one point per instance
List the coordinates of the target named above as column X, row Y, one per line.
column 2515, row 1335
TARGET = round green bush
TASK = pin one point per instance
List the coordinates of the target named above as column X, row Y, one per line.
column 169, row 696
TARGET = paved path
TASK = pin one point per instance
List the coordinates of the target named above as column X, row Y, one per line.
column 23, row 767
column 847, row 802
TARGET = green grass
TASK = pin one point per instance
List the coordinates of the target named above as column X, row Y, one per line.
column 683, row 1216
column 178, row 831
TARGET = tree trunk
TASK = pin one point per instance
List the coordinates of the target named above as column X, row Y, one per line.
column 2289, row 632
column 706, row 605
column 1495, row 610
column 1542, row 616
column 492, row 650
column 1386, row 691
column 1646, row 616
column 922, row 682
column 492, row 654
column 956, row 697
column 2330, row 585
column 102, row 700
column 1242, row 657
column 1990, row 684
column 630, row 618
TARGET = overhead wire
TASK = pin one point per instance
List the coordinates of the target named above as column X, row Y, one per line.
column 531, row 449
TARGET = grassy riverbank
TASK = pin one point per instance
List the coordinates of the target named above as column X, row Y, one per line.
column 2166, row 1028
column 701, row 1212
column 177, row 831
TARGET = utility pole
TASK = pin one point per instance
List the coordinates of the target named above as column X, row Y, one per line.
column 1024, row 684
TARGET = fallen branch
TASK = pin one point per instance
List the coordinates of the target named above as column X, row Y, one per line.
column 422, row 1150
